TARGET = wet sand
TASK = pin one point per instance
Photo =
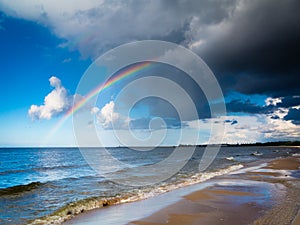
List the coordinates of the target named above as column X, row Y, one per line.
column 208, row 206
column 263, row 195
column 291, row 163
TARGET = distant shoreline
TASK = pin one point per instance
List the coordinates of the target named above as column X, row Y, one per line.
column 264, row 144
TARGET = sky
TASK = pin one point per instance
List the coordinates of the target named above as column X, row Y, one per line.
column 252, row 48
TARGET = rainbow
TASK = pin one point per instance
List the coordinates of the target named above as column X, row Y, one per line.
column 130, row 71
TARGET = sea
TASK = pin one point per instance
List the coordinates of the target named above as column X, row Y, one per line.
column 47, row 184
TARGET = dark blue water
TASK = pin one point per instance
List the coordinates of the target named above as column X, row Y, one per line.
column 37, row 182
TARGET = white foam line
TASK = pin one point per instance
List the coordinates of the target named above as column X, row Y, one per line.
column 245, row 170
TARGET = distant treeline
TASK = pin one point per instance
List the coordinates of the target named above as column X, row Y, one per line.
column 273, row 143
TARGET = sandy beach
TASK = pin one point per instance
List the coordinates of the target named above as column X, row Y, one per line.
column 260, row 194
column 274, row 199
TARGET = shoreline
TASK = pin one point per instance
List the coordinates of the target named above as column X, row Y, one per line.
column 260, row 204
column 228, row 194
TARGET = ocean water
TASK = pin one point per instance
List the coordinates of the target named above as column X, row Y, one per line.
column 50, row 183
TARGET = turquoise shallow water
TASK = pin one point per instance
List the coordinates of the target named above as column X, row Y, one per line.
column 36, row 182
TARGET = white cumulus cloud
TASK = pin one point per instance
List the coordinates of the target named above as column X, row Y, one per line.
column 108, row 118
column 273, row 101
column 56, row 102
column 247, row 129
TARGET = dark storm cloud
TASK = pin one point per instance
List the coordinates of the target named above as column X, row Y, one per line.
column 259, row 50
column 247, row 106
column 147, row 123
column 289, row 101
column 294, row 116
column 160, row 106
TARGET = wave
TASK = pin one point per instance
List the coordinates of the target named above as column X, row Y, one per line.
column 16, row 190
column 40, row 169
column 50, row 182
column 13, row 171
column 74, row 208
